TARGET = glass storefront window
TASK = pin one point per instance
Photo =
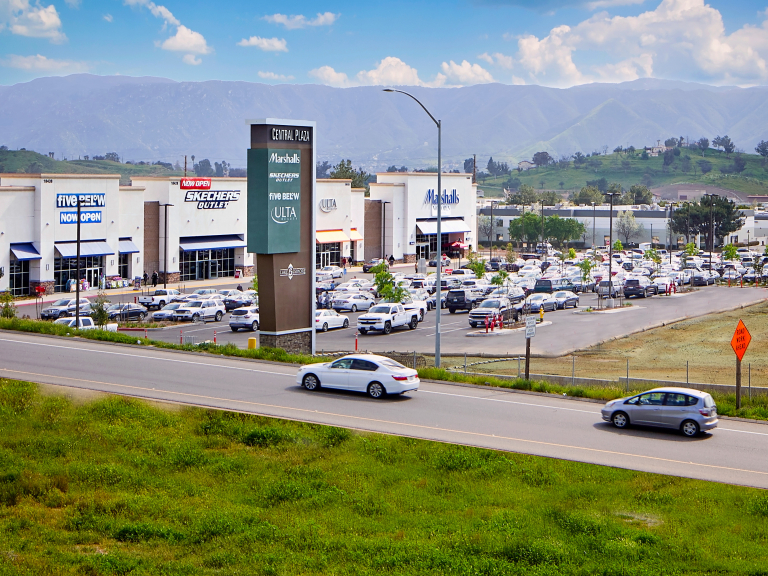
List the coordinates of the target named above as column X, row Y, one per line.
column 18, row 278
column 65, row 269
column 122, row 265
column 205, row 264
column 328, row 254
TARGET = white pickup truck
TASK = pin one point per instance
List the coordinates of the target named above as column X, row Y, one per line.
column 385, row 317
column 85, row 324
column 159, row 299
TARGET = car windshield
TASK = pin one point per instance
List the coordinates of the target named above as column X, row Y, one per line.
column 491, row 304
column 537, row 297
column 380, row 310
column 560, row 294
column 171, row 306
column 62, row 302
column 195, row 304
column 200, row 291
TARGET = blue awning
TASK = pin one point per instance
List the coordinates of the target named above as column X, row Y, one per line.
column 25, row 251
column 87, row 248
column 126, row 246
column 194, row 243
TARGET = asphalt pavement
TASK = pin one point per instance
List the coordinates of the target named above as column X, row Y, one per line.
column 496, row 419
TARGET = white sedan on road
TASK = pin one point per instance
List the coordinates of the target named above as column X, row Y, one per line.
column 326, row 319
column 370, row 373
column 334, row 271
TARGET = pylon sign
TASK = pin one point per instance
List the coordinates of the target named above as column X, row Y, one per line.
column 740, row 341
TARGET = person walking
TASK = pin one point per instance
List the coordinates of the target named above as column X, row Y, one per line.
column 391, row 260
column 154, row 278
column 146, row 279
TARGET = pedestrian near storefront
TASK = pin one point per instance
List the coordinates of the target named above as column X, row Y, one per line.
column 391, row 260
column 154, row 278
column 146, row 279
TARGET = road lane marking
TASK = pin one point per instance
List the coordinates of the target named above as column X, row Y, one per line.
column 742, row 431
column 509, row 402
column 150, row 357
column 390, row 422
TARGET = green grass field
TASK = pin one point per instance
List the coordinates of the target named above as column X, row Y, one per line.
column 116, row 486
column 753, row 180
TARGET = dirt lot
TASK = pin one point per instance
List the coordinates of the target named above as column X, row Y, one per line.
column 662, row 353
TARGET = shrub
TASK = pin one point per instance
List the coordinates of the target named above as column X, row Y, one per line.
column 266, row 437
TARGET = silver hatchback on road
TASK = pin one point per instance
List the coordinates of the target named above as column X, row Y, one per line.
column 690, row 411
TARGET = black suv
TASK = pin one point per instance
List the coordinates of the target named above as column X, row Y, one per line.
column 640, row 286
column 461, row 300
column 549, row 286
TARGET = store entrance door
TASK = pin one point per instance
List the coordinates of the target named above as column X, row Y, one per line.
column 325, row 259
column 213, row 269
column 92, row 276
column 422, row 251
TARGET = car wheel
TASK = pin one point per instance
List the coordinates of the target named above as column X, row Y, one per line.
column 219, row 316
column 421, row 315
column 442, row 305
column 234, row 328
column 576, row 304
column 473, row 325
column 387, row 327
column 354, row 307
column 452, row 310
column 346, row 323
column 325, row 327
column 413, row 324
column 620, row 420
column 310, row 382
column 376, row 390
column 196, row 318
column 255, row 326
column 429, row 307
column 142, row 315
column 689, row 428
column 161, row 304
column 363, row 331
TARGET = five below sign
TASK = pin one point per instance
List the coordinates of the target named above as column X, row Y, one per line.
column 195, row 184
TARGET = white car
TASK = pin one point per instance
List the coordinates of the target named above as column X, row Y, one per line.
column 418, row 306
column 386, row 316
column 85, row 324
column 334, row 271
column 375, row 375
column 200, row 310
column 352, row 301
column 663, row 283
column 229, row 293
column 327, row 319
column 166, row 312
column 199, row 293
column 60, row 308
column 246, row 317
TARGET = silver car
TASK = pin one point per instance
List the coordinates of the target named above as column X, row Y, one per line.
column 690, row 411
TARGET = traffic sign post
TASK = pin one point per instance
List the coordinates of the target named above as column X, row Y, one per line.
column 530, row 332
column 740, row 343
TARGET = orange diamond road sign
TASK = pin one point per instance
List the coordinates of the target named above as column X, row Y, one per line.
column 740, row 341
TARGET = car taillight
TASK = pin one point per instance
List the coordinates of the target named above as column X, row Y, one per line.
column 703, row 412
column 400, row 378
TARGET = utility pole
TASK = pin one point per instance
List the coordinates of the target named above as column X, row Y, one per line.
column 610, row 247
column 593, row 227
column 77, row 280
column 474, row 168
column 185, row 165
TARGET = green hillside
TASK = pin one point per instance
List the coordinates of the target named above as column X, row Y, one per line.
column 652, row 172
column 27, row 161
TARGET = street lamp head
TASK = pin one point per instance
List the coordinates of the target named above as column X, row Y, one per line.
column 388, row 90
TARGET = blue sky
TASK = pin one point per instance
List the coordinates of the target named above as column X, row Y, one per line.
column 452, row 43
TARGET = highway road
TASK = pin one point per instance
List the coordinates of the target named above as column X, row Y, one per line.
column 496, row 419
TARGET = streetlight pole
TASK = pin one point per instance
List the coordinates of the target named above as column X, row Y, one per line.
column 493, row 226
column 593, row 227
column 439, row 225
column 543, row 248
column 77, row 280
column 610, row 246
column 711, row 227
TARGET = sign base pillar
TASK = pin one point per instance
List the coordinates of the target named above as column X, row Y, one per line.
column 296, row 343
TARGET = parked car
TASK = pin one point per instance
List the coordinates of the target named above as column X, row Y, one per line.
column 196, row 310
column 499, row 307
column 85, row 324
column 128, row 311
column 385, row 318
column 418, row 306
column 166, row 312
column 690, row 411
column 565, row 298
column 663, row 284
column 610, row 289
column 536, row 302
column 325, row 319
column 432, row 300
column 158, row 298
column 548, row 286
column 237, row 301
column 374, row 262
column 246, row 317
column 462, row 299
column 197, row 294
column 639, row 286
column 352, row 301
column 446, row 262
column 334, row 271
column 702, row 278
column 60, row 308
column 375, row 375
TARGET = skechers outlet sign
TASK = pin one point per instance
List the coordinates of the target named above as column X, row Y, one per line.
column 211, row 199
column 276, row 192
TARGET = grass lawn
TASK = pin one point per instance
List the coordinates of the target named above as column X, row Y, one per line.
column 117, row 486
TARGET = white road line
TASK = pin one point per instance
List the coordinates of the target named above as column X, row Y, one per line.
column 446, row 331
column 508, row 402
column 743, row 431
column 150, row 357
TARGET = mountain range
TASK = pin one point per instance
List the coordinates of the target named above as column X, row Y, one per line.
column 145, row 118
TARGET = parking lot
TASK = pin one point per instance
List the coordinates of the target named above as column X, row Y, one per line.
column 570, row 329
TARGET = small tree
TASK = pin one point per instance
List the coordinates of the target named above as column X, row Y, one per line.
column 730, row 252
column 510, row 253
column 653, row 256
column 618, row 246
column 386, row 285
column 689, row 250
column 627, row 227
column 7, row 307
column 586, row 265
column 485, row 227
column 476, row 264
column 571, row 253
column 255, row 283
column 500, row 278
column 99, row 313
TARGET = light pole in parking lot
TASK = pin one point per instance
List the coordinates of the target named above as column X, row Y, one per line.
column 610, row 245
column 439, row 216
column 593, row 227
column 711, row 227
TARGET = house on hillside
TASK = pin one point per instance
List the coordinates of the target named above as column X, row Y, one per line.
column 525, row 165
column 655, row 150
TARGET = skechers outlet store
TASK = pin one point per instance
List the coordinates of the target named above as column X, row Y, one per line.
column 38, row 232
column 340, row 222
column 201, row 227
column 409, row 214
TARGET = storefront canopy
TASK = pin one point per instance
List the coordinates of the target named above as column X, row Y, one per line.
column 194, row 243
column 354, row 235
column 127, row 247
column 87, row 248
column 429, row 226
column 25, row 251
column 331, row 236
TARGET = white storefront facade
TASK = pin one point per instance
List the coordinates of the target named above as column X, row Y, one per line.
column 409, row 203
column 340, row 222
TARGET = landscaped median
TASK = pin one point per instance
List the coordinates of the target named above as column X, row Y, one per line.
column 754, row 408
column 113, row 485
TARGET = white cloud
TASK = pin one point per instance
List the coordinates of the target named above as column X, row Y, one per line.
column 273, row 76
column 39, row 62
column 108, row 17
column 300, row 21
column 191, row 59
column 683, row 39
column 465, row 73
column 390, row 72
column 266, row 44
column 329, row 76
column 36, row 21
column 73, row 3
column 498, row 59
column 608, row 3
column 186, row 40
column 157, row 11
